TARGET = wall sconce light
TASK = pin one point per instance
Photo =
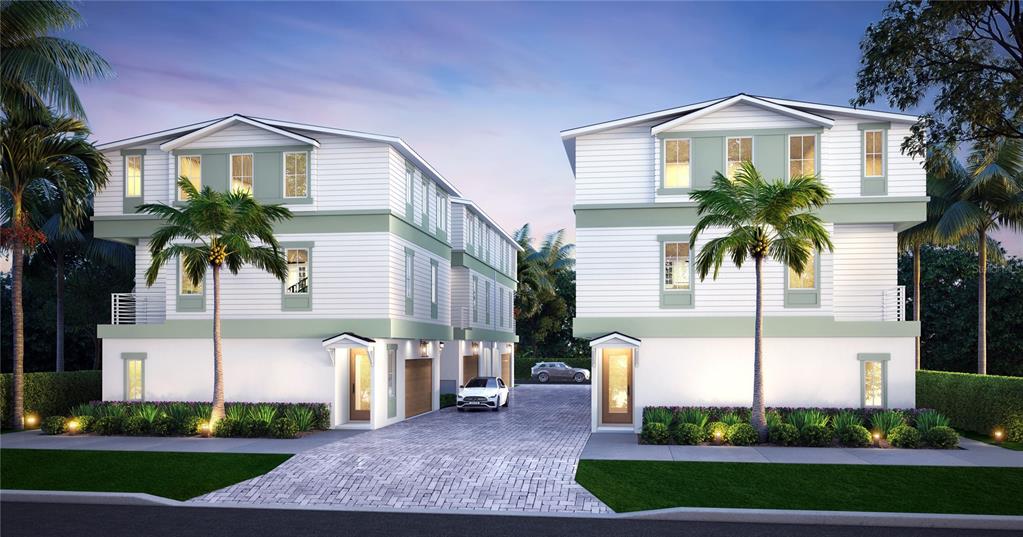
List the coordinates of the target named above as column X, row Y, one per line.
column 424, row 348
column 475, row 348
column 441, row 345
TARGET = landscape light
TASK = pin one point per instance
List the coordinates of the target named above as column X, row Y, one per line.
column 73, row 425
column 998, row 435
column 204, row 429
column 31, row 420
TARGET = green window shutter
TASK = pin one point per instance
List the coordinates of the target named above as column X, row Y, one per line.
column 769, row 155
column 268, row 175
column 708, row 159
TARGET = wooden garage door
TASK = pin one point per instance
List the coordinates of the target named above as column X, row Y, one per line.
column 418, row 387
column 506, row 368
column 470, row 367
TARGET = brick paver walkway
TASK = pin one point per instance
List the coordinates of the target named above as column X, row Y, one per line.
column 522, row 458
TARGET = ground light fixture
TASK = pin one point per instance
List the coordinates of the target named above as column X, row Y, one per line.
column 73, row 426
column 999, row 435
column 717, row 437
column 204, row 429
column 877, row 439
column 31, row 420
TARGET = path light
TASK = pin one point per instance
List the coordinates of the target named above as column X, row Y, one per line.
column 73, row 425
column 877, row 439
column 998, row 435
column 717, row 437
column 204, row 429
column 31, row 420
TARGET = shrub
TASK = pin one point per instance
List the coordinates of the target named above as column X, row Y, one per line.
column 51, row 393
column 136, row 426
column 283, row 428
column 694, row 416
column 730, row 418
column 263, row 413
column 657, row 414
column 717, row 429
column 235, row 411
column 446, row 400
column 655, row 433
column 688, row 434
column 226, row 427
column 929, row 419
column 815, row 435
column 904, row 436
column 783, row 434
column 741, row 434
column 854, row 435
column 942, row 437
column 804, row 417
column 85, row 423
column 52, row 425
column 773, row 418
column 165, row 426
column 190, row 426
column 979, row 403
column 108, row 425
column 148, row 412
column 884, row 422
column 302, row 416
column 203, row 410
column 253, row 428
column 846, row 419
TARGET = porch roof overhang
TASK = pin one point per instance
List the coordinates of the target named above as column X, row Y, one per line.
column 606, row 338
column 347, row 339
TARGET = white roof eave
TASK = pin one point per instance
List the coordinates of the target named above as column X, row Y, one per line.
column 483, row 214
column 226, row 122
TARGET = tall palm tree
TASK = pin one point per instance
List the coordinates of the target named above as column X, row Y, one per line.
column 37, row 69
column 763, row 220
column 216, row 230
column 43, row 157
column 533, row 282
column 984, row 195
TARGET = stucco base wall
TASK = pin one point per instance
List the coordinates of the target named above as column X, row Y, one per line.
column 798, row 372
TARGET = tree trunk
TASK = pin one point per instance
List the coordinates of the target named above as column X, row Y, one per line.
column 218, row 355
column 982, row 302
column 916, row 297
column 59, row 266
column 18, row 319
column 758, row 417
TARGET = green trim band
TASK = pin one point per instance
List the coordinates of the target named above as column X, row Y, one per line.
column 711, row 327
column 127, row 152
column 483, row 334
column 278, row 329
column 461, row 258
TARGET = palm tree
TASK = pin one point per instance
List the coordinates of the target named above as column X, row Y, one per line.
column 65, row 243
column 42, row 157
column 539, row 269
column 984, row 195
column 212, row 231
column 38, row 69
column 763, row 220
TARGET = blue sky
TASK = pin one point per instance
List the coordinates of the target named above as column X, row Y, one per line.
column 480, row 90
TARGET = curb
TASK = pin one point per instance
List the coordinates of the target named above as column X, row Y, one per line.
column 104, row 498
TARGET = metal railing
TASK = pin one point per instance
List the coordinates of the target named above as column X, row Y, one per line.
column 131, row 308
column 893, row 304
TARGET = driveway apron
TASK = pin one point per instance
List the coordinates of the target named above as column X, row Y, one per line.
column 522, row 458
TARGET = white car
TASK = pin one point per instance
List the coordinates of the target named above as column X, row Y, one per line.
column 482, row 392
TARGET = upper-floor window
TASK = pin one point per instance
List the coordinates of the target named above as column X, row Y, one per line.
column 475, row 299
column 298, row 271
column 190, row 167
column 806, row 280
column 133, row 176
column 296, row 175
column 500, row 307
column 433, row 284
column 424, row 193
column 802, row 155
column 186, row 285
column 410, row 281
column 410, row 186
column 676, row 266
column 241, row 173
column 738, row 150
column 873, row 153
column 676, row 164
column 441, row 211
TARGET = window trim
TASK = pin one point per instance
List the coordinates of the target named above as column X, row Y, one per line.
column 126, row 358
column 191, row 302
column 874, row 185
column 230, row 172
column 284, row 175
column 298, row 301
column 425, row 184
column 410, row 191
column 486, row 301
column 392, row 381
column 664, row 189
column 883, row 358
column 676, row 298
column 177, row 173
column 816, row 152
column 434, row 288
column 410, row 281
column 752, row 149
column 804, row 298
column 475, row 292
column 130, row 203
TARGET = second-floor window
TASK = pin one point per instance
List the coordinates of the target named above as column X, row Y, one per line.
column 475, row 299
column 296, row 175
column 190, row 167
column 802, row 155
column 676, row 266
column 738, row 150
column 298, row 271
column 873, row 153
column 676, row 164
column 186, row 286
column 441, row 212
column 806, row 280
column 133, row 176
column 241, row 173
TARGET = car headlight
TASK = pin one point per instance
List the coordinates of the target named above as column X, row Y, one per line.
column 459, row 396
column 494, row 396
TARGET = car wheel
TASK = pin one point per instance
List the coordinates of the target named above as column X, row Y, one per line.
column 543, row 377
column 506, row 401
column 497, row 407
column 579, row 377
column 460, row 409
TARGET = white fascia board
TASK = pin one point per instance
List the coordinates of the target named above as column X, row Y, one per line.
column 226, row 122
column 597, row 127
column 613, row 336
column 397, row 143
column 346, row 339
column 869, row 114
column 760, row 103
column 483, row 214
column 146, row 138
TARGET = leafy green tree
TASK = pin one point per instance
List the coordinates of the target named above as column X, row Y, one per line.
column 545, row 299
column 762, row 220
column 213, row 231
column 968, row 56
column 37, row 69
column 42, row 156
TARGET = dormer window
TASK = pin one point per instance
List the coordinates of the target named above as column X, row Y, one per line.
column 676, row 164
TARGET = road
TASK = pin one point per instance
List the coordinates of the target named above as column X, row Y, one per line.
column 40, row 520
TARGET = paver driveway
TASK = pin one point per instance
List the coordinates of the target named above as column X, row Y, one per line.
column 522, row 458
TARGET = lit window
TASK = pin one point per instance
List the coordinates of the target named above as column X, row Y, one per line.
column 241, row 173
column 190, row 167
column 739, row 150
column 133, row 176
column 873, row 383
column 802, row 155
column 873, row 153
column 187, row 287
column 409, row 274
column 676, row 266
column 806, row 280
column 676, row 164
column 296, row 175
column 133, row 384
column 433, row 284
column 298, row 271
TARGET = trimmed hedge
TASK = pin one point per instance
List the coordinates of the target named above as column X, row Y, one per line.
column 978, row 403
column 51, row 393
column 524, row 365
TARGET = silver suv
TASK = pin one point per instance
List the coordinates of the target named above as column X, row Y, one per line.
column 548, row 371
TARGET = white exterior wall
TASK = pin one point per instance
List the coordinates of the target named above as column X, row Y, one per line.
column 421, row 288
column 866, row 265
column 615, row 166
column 110, row 200
column 841, row 160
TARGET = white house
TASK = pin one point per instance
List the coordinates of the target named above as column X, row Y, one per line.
column 835, row 336
column 374, row 304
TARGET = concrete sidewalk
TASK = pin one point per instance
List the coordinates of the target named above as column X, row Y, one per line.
column 36, row 440
column 618, row 446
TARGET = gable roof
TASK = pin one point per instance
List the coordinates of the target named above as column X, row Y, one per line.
column 227, row 122
column 483, row 214
column 744, row 99
column 347, row 337
column 634, row 341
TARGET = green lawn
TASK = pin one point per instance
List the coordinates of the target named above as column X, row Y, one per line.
column 172, row 475
column 639, row 485
column 986, row 438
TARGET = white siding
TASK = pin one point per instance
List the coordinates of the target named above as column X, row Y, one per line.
column 153, row 310
column 348, row 174
column 743, row 116
column 615, row 166
column 110, row 200
column 457, row 235
column 461, row 307
column 421, row 288
column 841, row 160
column 866, row 265
column 241, row 135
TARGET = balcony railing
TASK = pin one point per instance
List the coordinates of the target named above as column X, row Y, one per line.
column 131, row 308
column 893, row 304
